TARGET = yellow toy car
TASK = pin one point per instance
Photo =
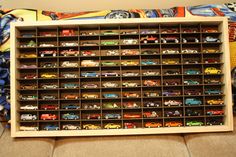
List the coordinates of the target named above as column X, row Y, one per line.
column 130, row 63
column 90, row 96
column 215, row 102
column 91, row 127
column 210, row 51
column 112, row 126
column 170, row 61
column 28, row 55
column 212, row 70
column 48, row 75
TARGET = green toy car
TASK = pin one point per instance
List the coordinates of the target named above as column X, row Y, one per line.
column 110, row 105
column 108, row 63
column 194, row 123
column 109, row 42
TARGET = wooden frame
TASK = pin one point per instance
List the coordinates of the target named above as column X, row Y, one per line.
column 222, row 24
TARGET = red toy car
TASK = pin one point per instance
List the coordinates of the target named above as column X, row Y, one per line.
column 93, row 116
column 129, row 125
column 48, row 117
column 215, row 112
column 67, row 32
column 148, row 39
column 132, row 115
column 211, row 60
column 88, row 53
column 49, row 107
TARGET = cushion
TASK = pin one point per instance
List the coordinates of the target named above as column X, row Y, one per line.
column 25, row 147
column 212, row 144
column 120, row 146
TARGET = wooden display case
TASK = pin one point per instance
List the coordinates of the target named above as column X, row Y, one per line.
column 134, row 76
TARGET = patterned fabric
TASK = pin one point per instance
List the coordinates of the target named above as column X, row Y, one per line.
column 11, row 15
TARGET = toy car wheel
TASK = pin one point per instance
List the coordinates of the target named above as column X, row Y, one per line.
column 86, row 128
column 66, row 128
column 42, row 55
column 88, row 117
column 145, row 41
column 66, row 98
column 106, row 117
column 119, row 117
column 156, row 41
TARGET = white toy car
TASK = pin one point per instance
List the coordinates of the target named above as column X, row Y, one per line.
column 69, row 64
column 29, row 107
column 89, row 63
column 70, row 127
column 130, row 41
column 28, row 117
column 29, row 128
column 69, row 44
column 110, row 84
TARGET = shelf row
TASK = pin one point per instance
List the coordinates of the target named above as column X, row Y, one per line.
column 119, row 124
column 100, row 30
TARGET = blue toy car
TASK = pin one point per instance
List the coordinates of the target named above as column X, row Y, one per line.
column 112, row 116
column 89, row 74
column 191, row 82
column 148, row 62
column 110, row 95
column 192, row 72
column 51, row 127
column 213, row 91
column 70, row 116
column 70, row 106
column 192, row 101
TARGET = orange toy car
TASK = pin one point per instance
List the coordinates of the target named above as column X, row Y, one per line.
column 151, row 83
column 131, row 95
column 48, row 117
column 152, row 125
column 71, row 96
column 132, row 116
column 173, row 124
column 67, row 32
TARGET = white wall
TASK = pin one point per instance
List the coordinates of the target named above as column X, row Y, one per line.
column 86, row 5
